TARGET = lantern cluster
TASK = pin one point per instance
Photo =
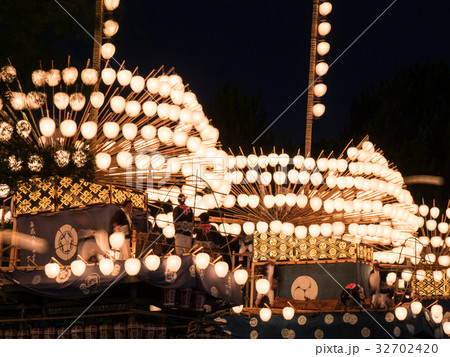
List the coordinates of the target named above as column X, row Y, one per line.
column 322, row 49
column 110, row 28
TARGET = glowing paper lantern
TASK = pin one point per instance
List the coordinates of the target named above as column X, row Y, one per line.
column 111, row 129
column 265, row 314
column 52, row 270
column 97, row 99
column 401, row 312
column 320, row 90
column 221, row 269
column 124, row 77
column 68, row 128
column 288, row 313
column 276, row 226
column 108, row 76
column 262, row 227
column 314, row 230
column 325, row 8
column 315, row 203
column 89, row 76
column 202, row 260
column 407, row 275
column 152, row 262
column 132, row 108
column 89, row 129
column 324, row 28
column 321, row 68
column 240, row 276
column 421, row 275
column 262, row 286
column 116, row 240
column 301, row 232
column 391, row 278
column 69, row 75
column 78, row 267
column 137, row 84
column 108, row 50
column 436, row 310
column 117, row 104
column 106, row 266
column 237, row 309
column 437, row 275
column 47, row 126
column 132, row 266
column 323, row 48
column 173, row 263
column 110, row 28
column 103, row 160
column 111, row 5
column 416, row 307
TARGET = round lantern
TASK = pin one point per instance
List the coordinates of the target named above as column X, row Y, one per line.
column 401, row 312
column 444, row 260
column 323, row 48
column 265, row 314
column 288, row 228
column 276, row 226
column 445, row 327
column 111, row 129
column 61, row 100
column 108, row 76
column 108, row 50
column 407, row 275
column 169, row 231
column 132, row 266
column 421, row 275
column 97, row 99
column 111, row 5
column 38, row 77
column 68, row 128
column 153, row 85
column 437, row 275
column 89, row 76
column 391, row 278
column 262, row 227
column 52, row 270
column 137, row 84
column 262, row 286
column 320, row 90
column 117, row 104
column 321, row 68
column 148, row 132
column 106, row 266
column 237, row 309
column 315, row 203
column 110, row 28
column 325, row 8
column 89, row 129
column 69, row 75
column 152, row 262
column 301, row 232
column 240, row 276
column 436, row 310
column 324, row 28
column 78, row 267
column 129, row 130
column 173, row 263
column 47, row 126
column 288, row 313
column 164, row 134
column 116, row 240
column 314, row 230
column 103, row 160
column 416, row 307
column 53, row 77
column 202, row 260
column 221, row 269
column 124, row 159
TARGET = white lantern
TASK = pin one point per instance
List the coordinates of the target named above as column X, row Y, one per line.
column 202, row 260
column 421, row 275
column 153, row 85
column 240, row 276
column 117, row 104
column 437, row 275
column 301, row 232
column 326, row 229
column 321, row 68
column 97, row 99
column 316, row 179
column 106, row 266
column 315, row 203
column 47, row 126
column 237, row 309
column 108, row 76
column 444, row 260
column 69, row 75
column 314, row 230
column 431, row 225
column 436, row 310
column 111, row 129
column 242, row 200
column 108, row 50
column 169, row 231
column 124, row 77
column 407, row 275
column 323, row 48
column 111, row 5
column 78, row 267
column 391, row 278
column 288, row 313
column 110, row 28
column 148, row 132
column 137, row 84
column 320, row 90
column 423, row 210
column 288, row 228
column 116, row 240
column 302, row 201
column 265, row 314
column 436, row 241
column 265, row 178
column 262, row 286
column 173, row 263
column 180, row 138
column 416, row 307
column 338, row 228
column 262, row 227
column 324, row 28
column 221, row 269
column 401, row 312
column 89, row 129
column 325, row 8
column 52, row 270
column 61, row 100
column 430, row 258
column 276, row 226
column 152, row 262
column 446, row 327
column 133, row 108
column 443, row 227
column 434, row 212
column 89, row 76
column 132, row 266
column 164, row 134
column 68, row 128
column 280, row 200
column 53, row 77
column 248, row 227
column 129, row 131
column 103, row 160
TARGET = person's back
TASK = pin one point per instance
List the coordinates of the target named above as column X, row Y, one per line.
column 183, row 219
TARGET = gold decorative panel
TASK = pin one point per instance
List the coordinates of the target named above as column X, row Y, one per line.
column 429, row 287
column 120, row 195
column 282, row 247
column 35, row 195
column 73, row 193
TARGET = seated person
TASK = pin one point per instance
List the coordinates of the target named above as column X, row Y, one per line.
column 206, row 235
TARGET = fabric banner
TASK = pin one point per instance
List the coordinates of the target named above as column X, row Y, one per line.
column 333, row 325
column 66, row 285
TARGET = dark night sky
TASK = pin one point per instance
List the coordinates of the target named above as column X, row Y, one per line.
column 263, row 46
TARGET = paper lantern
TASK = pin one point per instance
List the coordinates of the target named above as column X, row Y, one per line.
column 89, row 76
column 444, row 260
column 148, row 132
column 423, row 210
column 416, row 307
column 391, row 278
column 437, row 275
column 436, row 241
column 230, row 201
column 315, row 203
column 68, row 128
column 137, row 84
column 288, row 313
column 111, row 5
column 132, row 266
column 280, row 200
column 53, row 77
column 79, row 158
column 242, row 200
column 169, row 231
column 301, row 232
column 89, row 129
column 164, row 89
column 321, row 68
column 106, row 266
column 434, row 212
column 38, row 77
column 431, row 225
column 443, row 227
column 302, row 201
column 133, row 108
column 221, row 269
column 323, row 48
column 117, row 104
column 164, row 134
column 316, row 179
column 421, row 275
column 446, row 327
column 153, row 85
column 430, row 258
column 326, row 229
column 240, row 276
column 276, row 226
column 262, row 286
column 152, row 262
column 78, row 267
column 111, row 129
column 97, row 99
column 288, row 228
column 102, row 160
column 314, row 230
column 108, row 76
column 265, row 314
column 325, row 8
column 173, row 263
column 108, row 51
column 110, row 28
column 248, row 227
column 324, row 28
column 52, row 270
column 237, row 309
column 116, row 240
column 202, row 260
column 407, row 275
column 320, row 90
column 180, row 138
column 129, row 130
column 47, row 126
column 436, row 310
column 262, row 227
column 338, row 228
column 401, row 312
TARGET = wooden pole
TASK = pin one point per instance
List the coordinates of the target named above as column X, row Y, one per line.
column 312, row 76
